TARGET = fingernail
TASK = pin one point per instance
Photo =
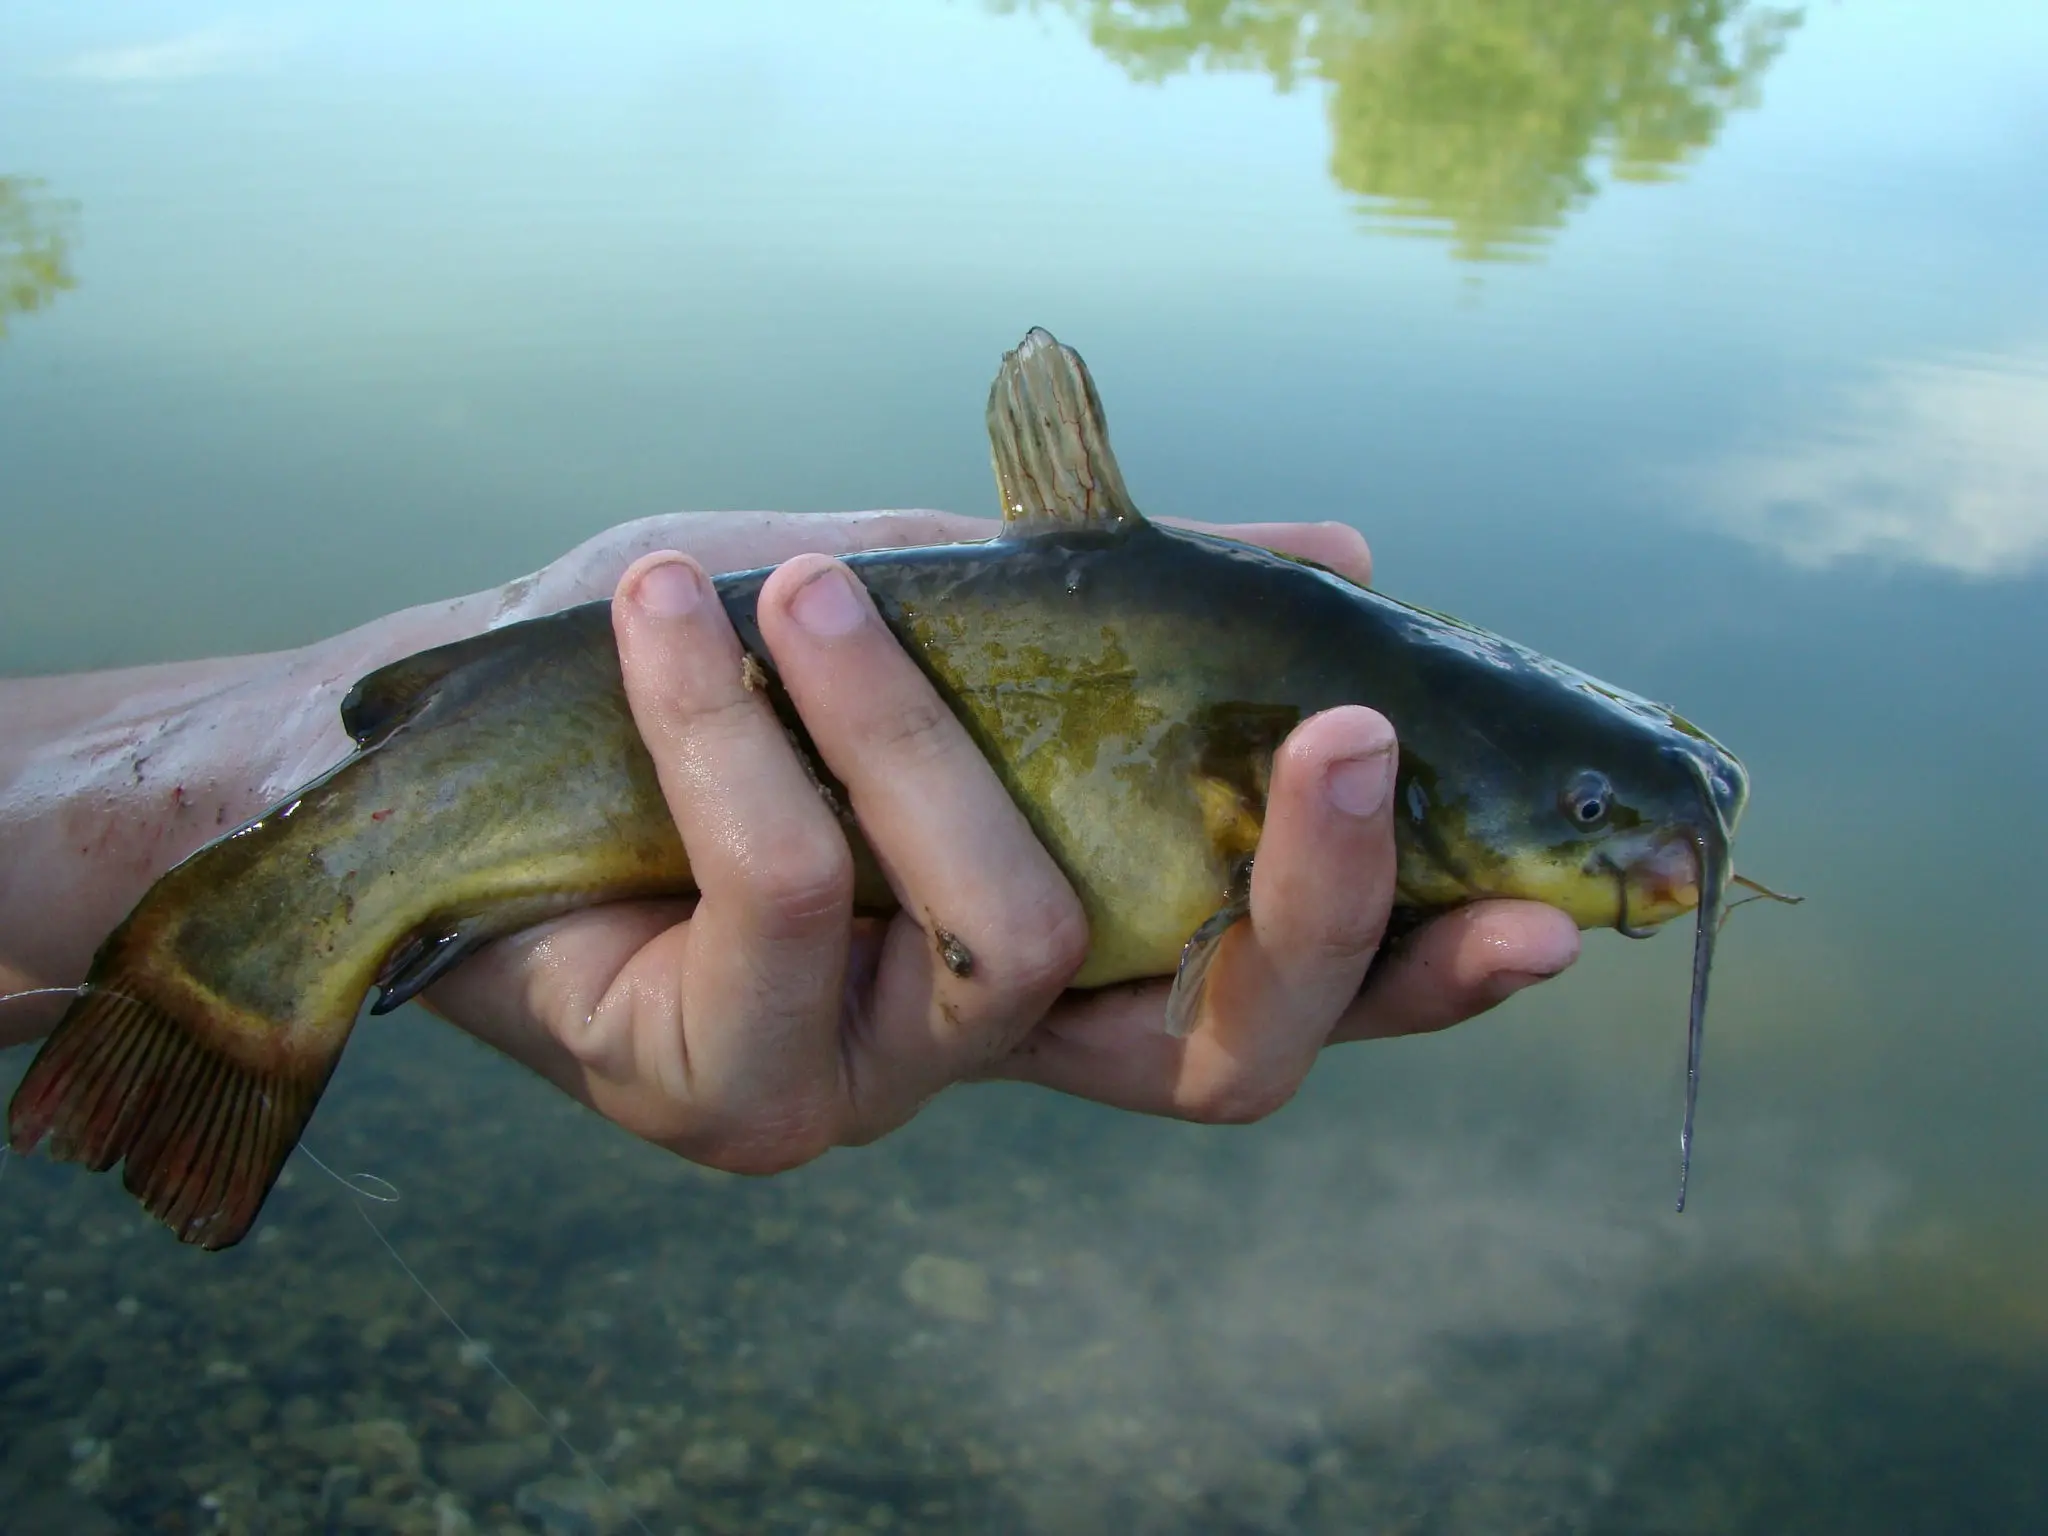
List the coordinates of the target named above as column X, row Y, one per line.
column 827, row 605
column 670, row 590
column 1359, row 786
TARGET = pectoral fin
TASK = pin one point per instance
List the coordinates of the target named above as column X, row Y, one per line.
column 1190, row 982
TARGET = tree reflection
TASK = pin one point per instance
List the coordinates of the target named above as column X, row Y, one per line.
column 1478, row 119
column 36, row 232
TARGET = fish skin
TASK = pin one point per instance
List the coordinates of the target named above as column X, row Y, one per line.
column 1128, row 683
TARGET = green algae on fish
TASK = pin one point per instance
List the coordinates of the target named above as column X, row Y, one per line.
column 1128, row 682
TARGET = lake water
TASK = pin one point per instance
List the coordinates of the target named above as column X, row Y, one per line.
column 1715, row 362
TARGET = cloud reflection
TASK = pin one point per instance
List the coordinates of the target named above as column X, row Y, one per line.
column 1941, row 464
column 209, row 51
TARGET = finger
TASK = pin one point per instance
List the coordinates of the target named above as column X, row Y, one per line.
column 749, row 992
column 1462, row 964
column 1322, row 886
column 727, row 541
column 991, row 930
column 1108, row 1046
column 511, row 993
column 1338, row 546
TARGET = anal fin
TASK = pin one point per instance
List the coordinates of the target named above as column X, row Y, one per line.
column 423, row 959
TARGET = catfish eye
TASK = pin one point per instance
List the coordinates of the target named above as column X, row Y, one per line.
column 1587, row 798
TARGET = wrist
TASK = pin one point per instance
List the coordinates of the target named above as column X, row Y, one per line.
column 109, row 779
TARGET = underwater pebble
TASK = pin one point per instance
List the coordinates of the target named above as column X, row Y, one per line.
column 567, row 1506
column 650, row 1490
column 473, row 1353
column 56, row 1296
column 90, row 1475
column 338, row 1485
column 494, row 1466
column 510, row 1414
column 1176, row 1487
column 450, row 1518
column 246, row 1413
column 1264, row 1495
column 721, row 1459
column 61, row 1510
column 381, row 1445
column 300, row 1414
column 950, row 1288
column 127, row 1306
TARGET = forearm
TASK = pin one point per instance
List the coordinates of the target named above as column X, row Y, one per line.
column 108, row 779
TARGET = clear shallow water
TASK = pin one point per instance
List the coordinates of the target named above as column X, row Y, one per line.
column 371, row 308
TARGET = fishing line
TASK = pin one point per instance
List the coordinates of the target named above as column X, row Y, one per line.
column 78, row 991
column 8, row 997
column 358, row 1184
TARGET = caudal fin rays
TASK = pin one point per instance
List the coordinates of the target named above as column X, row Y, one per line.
column 202, row 1134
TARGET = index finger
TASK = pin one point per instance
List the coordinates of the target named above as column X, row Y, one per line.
column 1339, row 546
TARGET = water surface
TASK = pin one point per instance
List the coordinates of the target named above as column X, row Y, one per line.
column 1710, row 355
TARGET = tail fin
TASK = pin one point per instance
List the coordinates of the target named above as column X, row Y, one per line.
column 204, row 1134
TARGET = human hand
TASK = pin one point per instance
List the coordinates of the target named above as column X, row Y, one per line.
column 767, row 1024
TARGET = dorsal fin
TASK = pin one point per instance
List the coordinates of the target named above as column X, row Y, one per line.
column 388, row 697
column 392, row 695
column 1054, row 468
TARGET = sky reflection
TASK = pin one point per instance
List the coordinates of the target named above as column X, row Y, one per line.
column 1942, row 463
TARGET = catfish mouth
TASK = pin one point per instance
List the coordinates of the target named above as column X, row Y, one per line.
column 1654, row 884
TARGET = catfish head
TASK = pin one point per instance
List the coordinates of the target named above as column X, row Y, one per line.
column 1532, row 780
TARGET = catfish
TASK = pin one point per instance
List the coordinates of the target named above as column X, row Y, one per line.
column 1127, row 681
